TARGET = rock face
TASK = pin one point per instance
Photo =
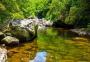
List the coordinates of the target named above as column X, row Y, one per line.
column 24, row 30
column 22, row 34
column 10, row 40
column 27, row 29
column 31, row 23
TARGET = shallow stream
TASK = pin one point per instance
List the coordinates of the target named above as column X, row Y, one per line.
column 60, row 45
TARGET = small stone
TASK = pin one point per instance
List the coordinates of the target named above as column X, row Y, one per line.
column 10, row 40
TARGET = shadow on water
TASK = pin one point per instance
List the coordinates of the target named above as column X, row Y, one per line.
column 65, row 33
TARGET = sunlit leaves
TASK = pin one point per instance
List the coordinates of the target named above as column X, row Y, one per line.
column 17, row 16
column 72, row 15
column 2, row 7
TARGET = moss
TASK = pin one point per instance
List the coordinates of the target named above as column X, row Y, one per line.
column 22, row 34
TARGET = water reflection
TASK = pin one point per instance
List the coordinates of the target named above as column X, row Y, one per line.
column 52, row 45
column 65, row 34
column 40, row 57
column 61, row 47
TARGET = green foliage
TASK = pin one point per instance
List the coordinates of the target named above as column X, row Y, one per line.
column 17, row 16
column 3, row 13
column 88, row 27
column 67, row 11
column 57, row 9
column 72, row 17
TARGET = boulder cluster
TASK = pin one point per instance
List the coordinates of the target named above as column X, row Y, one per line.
column 31, row 23
column 22, row 30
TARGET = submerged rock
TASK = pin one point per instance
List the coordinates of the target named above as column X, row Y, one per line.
column 10, row 40
column 80, row 39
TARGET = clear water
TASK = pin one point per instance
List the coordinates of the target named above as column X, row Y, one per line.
column 59, row 44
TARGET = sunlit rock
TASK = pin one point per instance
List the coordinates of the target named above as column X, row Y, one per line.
column 31, row 23
column 10, row 40
column 3, row 55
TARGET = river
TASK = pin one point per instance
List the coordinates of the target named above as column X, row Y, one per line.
column 60, row 45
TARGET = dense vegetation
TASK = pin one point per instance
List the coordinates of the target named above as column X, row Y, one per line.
column 60, row 44
column 73, row 12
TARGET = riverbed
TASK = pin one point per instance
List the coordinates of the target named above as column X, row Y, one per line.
column 61, row 46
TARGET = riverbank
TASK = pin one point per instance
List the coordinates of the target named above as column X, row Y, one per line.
column 60, row 44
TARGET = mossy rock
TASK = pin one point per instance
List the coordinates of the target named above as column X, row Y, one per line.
column 22, row 34
column 10, row 40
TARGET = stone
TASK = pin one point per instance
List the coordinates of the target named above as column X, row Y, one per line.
column 31, row 23
column 8, row 34
column 26, row 29
column 22, row 34
column 3, row 55
column 10, row 40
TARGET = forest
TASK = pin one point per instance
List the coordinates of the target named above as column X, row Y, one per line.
column 72, row 12
column 45, row 30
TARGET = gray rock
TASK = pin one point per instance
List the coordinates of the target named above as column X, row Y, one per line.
column 27, row 28
column 8, row 34
column 22, row 34
column 31, row 23
column 10, row 40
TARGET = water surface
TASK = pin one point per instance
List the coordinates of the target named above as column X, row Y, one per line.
column 61, row 46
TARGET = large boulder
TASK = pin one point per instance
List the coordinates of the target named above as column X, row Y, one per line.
column 22, row 34
column 26, row 29
column 10, row 40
